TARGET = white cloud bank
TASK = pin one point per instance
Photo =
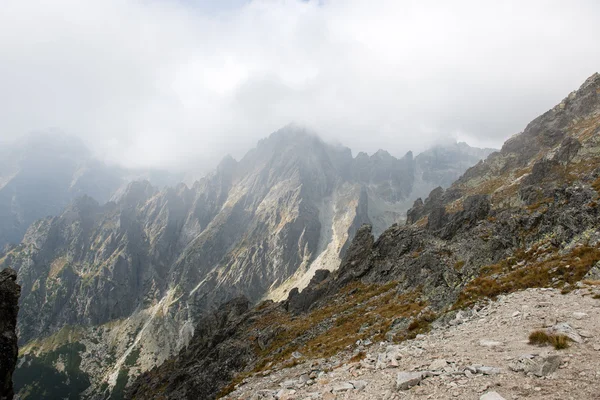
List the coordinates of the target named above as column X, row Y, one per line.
column 168, row 83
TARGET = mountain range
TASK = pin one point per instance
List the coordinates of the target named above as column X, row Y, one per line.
column 298, row 257
column 112, row 289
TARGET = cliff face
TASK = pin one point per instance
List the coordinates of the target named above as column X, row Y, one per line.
column 526, row 217
column 9, row 298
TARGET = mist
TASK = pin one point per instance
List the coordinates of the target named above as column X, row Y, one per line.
column 165, row 83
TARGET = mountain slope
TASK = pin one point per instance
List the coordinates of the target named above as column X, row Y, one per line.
column 526, row 217
column 149, row 265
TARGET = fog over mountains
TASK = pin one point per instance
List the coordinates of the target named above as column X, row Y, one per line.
column 149, row 263
column 299, row 199
column 41, row 173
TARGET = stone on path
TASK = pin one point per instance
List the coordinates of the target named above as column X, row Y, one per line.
column 342, row 387
column 491, row 396
column 580, row 315
column 359, row 385
column 489, row 343
column 565, row 329
column 406, row 380
column 438, row 365
column 546, row 366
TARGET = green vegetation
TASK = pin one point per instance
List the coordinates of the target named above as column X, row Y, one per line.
column 118, row 390
column 55, row 374
column 67, row 334
column 361, row 311
column 133, row 357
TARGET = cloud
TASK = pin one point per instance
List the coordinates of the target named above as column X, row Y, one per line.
column 172, row 83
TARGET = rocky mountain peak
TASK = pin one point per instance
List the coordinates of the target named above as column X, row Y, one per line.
column 135, row 193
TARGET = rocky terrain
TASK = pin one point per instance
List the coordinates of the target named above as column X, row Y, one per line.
column 9, row 298
column 526, row 217
column 481, row 351
column 110, row 290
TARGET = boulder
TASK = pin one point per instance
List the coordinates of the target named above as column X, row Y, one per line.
column 538, row 366
column 342, row 387
column 565, row 329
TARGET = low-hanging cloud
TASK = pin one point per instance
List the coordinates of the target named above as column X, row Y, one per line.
column 168, row 83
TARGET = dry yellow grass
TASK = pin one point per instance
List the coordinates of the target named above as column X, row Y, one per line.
column 507, row 276
column 542, row 338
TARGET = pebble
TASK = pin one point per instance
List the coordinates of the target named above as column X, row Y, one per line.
column 359, row 385
column 489, row 343
column 342, row 387
column 491, row 396
column 580, row 315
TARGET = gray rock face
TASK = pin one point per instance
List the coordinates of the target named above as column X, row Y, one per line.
column 9, row 297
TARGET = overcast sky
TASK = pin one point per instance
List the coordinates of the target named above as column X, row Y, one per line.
column 169, row 83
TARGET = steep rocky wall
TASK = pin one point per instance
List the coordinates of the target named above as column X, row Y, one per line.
column 9, row 298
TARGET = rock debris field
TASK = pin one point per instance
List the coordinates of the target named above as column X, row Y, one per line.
column 483, row 353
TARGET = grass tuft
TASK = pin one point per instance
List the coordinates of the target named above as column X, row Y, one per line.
column 542, row 338
column 539, row 338
column 358, row 357
column 559, row 341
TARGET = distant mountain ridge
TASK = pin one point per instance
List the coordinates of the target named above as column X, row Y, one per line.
column 149, row 264
column 42, row 173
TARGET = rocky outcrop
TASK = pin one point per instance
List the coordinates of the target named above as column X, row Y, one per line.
column 9, row 297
